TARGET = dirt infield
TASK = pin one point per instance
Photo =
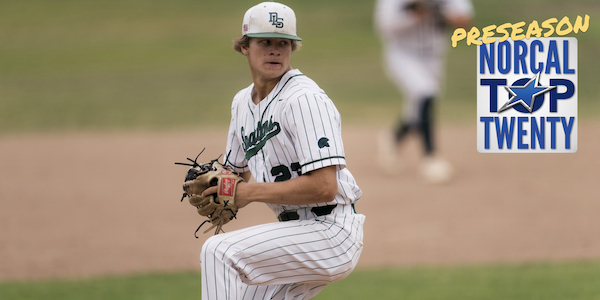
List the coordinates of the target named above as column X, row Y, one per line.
column 77, row 205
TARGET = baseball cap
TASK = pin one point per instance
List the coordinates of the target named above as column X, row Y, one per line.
column 270, row 20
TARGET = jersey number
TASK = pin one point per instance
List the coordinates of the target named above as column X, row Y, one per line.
column 283, row 173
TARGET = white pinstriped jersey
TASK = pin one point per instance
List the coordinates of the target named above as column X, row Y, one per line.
column 402, row 28
column 294, row 130
column 414, row 48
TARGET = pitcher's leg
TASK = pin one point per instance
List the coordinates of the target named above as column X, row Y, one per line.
column 279, row 254
column 281, row 292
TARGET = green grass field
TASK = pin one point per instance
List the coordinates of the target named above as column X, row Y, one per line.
column 575, row 280
column 82, row 65
column 131, row 64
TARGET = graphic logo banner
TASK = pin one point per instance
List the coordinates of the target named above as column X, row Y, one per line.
column 527, row 96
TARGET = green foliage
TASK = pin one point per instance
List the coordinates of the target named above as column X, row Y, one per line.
column 126, row 64
column 568, row 280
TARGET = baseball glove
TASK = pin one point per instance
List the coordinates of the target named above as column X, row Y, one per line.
column 219, row 208
column 433, row 7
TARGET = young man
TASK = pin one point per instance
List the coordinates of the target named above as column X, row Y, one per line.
column 413, row 34
column 286, row 134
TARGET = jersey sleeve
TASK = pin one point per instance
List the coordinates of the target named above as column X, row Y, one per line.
column 314, row 124
column 234, row 153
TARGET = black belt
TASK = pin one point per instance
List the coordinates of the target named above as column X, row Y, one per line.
column 290, row 215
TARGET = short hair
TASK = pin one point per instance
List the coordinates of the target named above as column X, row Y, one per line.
column 244, row 41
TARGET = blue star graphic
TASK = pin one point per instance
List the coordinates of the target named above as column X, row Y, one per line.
column 525, row 95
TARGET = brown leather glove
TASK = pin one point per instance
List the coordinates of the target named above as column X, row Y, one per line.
column 219, row 208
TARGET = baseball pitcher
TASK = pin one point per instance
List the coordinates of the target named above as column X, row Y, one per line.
column 285, row 133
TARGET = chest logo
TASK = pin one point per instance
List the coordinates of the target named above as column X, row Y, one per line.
column 255, row 140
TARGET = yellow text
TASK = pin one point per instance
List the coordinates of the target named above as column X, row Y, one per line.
column 519, row 31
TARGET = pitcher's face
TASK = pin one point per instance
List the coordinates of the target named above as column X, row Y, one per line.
column 269, row 58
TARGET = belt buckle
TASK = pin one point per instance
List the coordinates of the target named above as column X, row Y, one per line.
column 323, row 210
column 288, row 215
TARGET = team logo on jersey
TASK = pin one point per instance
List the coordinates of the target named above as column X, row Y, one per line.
column 323, row 142
column 275, row 20
column 527, row 96
column 255, row 140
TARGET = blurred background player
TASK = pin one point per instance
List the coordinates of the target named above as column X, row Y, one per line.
column 414, row 39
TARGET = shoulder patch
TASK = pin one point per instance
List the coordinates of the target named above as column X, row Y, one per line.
column 323, row 142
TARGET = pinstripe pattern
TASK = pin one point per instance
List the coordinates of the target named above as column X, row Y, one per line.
column 304, row 114
column 283, row 260
column 295, row 130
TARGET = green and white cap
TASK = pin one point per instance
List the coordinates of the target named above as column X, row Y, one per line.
column 270, row 20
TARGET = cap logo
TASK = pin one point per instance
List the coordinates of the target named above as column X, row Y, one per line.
column 275, row 20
